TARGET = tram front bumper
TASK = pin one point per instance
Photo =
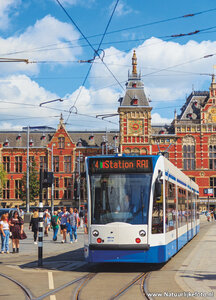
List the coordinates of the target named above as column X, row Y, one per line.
column 119, row 247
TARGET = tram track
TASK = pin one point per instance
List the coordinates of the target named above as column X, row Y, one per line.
column 139, row 278
column 26, row 291
column 128, row 286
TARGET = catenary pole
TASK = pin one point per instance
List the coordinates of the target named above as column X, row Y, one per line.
column 40, row 223
column 52, row 187
column 79, row 181
column 27, row 173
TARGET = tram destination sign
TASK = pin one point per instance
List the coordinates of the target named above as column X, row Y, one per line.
column 120, row 165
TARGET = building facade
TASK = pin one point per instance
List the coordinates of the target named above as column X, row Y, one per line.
column 68, row 149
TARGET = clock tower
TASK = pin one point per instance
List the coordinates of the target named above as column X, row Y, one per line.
column 135, row 115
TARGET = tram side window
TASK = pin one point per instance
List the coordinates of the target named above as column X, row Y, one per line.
column 182, row 207
column 197, row 208
column 170, row 206
column 189, row 207
column 193, row 207
column 157, row 213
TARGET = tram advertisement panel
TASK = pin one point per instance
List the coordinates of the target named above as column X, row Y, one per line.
column 120, row 165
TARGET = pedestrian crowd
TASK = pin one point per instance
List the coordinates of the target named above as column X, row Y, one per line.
column 211, row 215
column 67, row 221
column 11, row 227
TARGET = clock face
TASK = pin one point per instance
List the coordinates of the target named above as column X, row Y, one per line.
column 135, row 127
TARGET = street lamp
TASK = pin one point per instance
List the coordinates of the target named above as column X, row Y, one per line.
column 52, row 187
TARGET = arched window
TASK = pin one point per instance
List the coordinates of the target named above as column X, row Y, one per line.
column 135, row 151
column 127, row 151
column 189, row 153
column 143, row 151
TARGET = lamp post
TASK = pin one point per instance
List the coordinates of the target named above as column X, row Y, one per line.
column 52, row 187
column 79, row 181
column 27, row 174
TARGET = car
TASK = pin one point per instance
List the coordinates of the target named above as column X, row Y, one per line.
column 10, row 211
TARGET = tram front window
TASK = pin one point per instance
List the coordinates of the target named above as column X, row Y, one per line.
column 120, row 198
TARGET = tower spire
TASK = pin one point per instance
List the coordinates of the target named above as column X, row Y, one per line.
column 134, row 64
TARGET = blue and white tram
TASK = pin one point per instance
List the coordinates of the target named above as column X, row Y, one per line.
column 141, row 209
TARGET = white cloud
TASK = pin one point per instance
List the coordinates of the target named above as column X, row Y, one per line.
column 20, row 98
column 122, row 9
column 6, row 7
column 154, row 55
column 77, row 2
column 8, row 126
column 47, row 31
column 158, row 120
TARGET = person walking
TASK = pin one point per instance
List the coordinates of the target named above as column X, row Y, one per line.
column 34, row 224
column 64, row 216
column 16, row 228
column 5, row 234
column 81, row 215
column 47, row 221
column 77, row 215
column 55, row 224
column 74, row 224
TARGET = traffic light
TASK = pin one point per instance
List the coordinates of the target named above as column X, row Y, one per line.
column 48, row 179
column 76, row 192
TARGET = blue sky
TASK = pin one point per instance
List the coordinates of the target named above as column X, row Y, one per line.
column 40, row 31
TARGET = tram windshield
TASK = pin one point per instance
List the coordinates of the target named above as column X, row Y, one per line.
column 120, row 198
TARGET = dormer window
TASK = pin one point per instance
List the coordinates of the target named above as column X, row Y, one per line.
column 6, row 143
column 18, row 138
column 43, row 136
column 134, row 84
column 79, row 144
column 115, row 137
column 134, row 101
column 162, row 132
column 195, row 103
column 31, row 143
column 189, row 115
column 91, row 137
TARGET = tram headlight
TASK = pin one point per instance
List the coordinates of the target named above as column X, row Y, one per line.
column 95, row 233
column 142, row 233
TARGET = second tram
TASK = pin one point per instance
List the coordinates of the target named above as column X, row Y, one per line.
column 141, row 209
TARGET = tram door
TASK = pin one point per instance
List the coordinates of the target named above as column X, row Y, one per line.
column 189, row 214
column 193, row 214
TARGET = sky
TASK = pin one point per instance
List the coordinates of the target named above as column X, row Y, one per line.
column 175, row 42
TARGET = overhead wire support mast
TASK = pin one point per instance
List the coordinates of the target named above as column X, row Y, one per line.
column 50, row 101
column 14, row 60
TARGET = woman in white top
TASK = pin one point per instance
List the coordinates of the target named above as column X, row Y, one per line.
column 5, row 234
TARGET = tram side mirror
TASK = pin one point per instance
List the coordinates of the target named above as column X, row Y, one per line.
column 158, row 191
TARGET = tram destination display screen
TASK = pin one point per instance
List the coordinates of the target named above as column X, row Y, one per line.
column 120, row 165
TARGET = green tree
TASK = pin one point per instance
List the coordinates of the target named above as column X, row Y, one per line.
column 33, row 183
column 3, row 178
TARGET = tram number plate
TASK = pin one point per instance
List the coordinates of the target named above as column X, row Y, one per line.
column 120, row 165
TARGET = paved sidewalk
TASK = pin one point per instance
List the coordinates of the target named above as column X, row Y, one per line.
column 191, row 273
column 198, row 271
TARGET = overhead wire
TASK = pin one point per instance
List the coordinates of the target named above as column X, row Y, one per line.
column 95, row 51
column 164, row 37
column 120, row 30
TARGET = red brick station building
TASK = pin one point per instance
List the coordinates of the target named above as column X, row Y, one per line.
column 190, row 141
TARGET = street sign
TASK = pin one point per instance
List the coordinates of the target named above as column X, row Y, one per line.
column 208, row 192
